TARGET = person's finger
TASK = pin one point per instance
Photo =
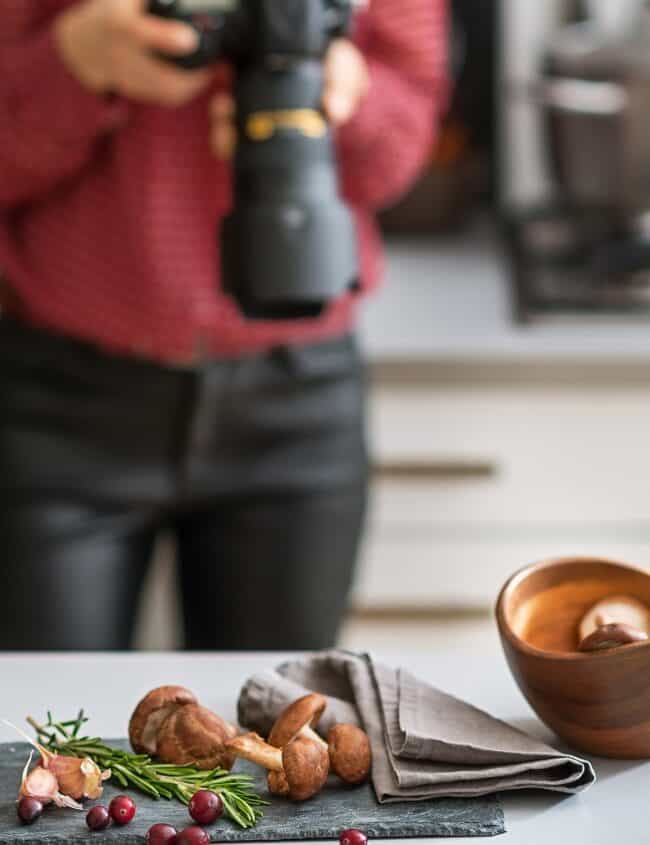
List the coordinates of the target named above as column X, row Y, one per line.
column 154, row 80
column 173, row 37
column 345, row 81
column 339, row 104
column 222, row 107
column 223, row 139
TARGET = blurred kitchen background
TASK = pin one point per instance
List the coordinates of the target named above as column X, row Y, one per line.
column 509, row 350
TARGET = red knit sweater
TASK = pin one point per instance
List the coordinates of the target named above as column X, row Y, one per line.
column 108, row 210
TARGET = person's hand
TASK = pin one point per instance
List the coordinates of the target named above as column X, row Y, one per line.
column 109, row 46
column 346, row 84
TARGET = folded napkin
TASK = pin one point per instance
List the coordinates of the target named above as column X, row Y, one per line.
column 425, row 743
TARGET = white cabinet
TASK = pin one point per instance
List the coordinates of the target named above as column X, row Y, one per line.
column 502, row 474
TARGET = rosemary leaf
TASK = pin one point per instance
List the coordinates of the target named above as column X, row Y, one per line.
column 158, row 780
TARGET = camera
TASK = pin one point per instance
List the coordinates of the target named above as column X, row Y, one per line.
column 288, row 248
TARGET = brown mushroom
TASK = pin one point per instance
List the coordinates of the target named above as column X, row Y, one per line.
column 348, row 746
column 350, row 754
column 612, row 636
column 151, row 712
column 195, row 736
column 301, row 717
column 615, row 610
column 297, row 771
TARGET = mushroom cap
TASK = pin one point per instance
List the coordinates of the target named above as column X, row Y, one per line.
column 277, row 783
column 612, row 636
column 195, row 736
column 151, row 712
column 620, row 610
column 305, row 712
column 350, row 753
column 306, row 766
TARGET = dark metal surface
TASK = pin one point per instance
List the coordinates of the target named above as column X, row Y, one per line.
column 571, row 260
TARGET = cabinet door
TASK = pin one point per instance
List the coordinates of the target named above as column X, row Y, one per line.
column 407, row 571
column 545, row 455
column 471, row 485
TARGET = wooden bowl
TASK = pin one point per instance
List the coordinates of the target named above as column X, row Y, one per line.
column 598, row 702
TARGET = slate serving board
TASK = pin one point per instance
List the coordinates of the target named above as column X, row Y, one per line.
column 322, row 818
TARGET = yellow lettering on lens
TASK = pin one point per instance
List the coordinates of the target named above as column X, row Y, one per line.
column 262, row 125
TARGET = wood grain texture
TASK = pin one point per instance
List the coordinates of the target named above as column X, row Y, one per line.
column 598, row 702
column 324, row 817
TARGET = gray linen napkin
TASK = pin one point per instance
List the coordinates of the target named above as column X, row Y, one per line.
column 425, row 743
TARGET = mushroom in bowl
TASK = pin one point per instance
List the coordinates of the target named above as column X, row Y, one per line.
column 597, row 700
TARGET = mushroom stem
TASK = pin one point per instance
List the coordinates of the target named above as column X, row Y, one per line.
column 252, row 747
column 310, row 733
column 299, row 719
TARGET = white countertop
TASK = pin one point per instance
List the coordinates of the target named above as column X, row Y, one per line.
column 448, row 300
column 615, row 810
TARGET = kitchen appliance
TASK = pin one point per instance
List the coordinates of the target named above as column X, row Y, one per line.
column 288, row 248
column 584, row 242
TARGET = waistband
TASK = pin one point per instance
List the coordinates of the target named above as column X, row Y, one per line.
column 38, row 344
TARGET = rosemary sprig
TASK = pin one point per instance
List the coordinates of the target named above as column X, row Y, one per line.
column 158, row 780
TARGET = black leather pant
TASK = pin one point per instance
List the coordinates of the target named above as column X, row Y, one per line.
column 257, row 465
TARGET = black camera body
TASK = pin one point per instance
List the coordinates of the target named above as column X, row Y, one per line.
column 288, row 249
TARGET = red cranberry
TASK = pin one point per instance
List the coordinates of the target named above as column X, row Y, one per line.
column 98, row 818
column 353, row 837
column 122, row 809
column 29, row 809
column 205, row 807
column 192, row 836
column 161, row 834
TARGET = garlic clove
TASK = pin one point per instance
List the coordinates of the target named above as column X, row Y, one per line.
column 93, row 778
column 75, row 777
column 41, row 783
column 78, row 777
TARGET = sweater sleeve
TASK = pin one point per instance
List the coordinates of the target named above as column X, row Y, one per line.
column 383, row 148
column 49, row 122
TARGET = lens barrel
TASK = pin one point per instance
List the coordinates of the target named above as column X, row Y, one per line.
column 288, row 249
